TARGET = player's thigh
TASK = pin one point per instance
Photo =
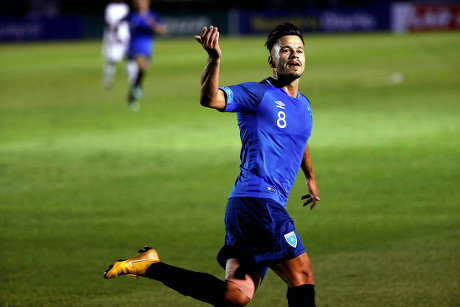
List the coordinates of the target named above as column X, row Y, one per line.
column 238, row 276
column 296, row 271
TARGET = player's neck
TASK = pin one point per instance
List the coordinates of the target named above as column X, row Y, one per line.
column 142, row 10
column 289, row 85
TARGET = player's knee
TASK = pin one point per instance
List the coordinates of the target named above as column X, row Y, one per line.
column 238, row 300
column 309, row 273
column 234, row 297
column 300, row 277
column 142, row 63
column 306, row 276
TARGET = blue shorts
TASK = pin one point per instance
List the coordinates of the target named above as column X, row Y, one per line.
column 140, row 48
column 259, row 230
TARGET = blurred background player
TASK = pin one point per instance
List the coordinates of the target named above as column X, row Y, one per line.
column 116, row 39
column 144, row 24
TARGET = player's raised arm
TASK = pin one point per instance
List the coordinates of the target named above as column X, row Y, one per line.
column 211, row 96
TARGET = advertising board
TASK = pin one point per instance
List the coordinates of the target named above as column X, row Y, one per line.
column 373, row 18
column 40, row 29
column 408, row 17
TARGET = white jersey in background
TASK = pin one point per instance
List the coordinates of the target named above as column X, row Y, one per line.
column 116, row 33
column 116, row 39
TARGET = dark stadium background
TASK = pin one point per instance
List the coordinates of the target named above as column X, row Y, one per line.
column 51, row 8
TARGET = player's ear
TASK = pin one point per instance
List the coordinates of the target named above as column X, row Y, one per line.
column 271, row 62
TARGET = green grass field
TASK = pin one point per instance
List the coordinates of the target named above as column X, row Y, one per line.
column 85, row 181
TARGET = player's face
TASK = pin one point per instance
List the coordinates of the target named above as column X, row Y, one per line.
column 288, row 56
column 141, row 5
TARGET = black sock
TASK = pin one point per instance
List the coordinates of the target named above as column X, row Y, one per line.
column 201, row 286
column 139, row 77
column 301, row 296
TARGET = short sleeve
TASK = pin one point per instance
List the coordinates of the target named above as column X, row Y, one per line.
column 244, row 97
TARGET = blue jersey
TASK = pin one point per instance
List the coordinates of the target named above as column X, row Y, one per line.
column 274, row 130
column 141, row 32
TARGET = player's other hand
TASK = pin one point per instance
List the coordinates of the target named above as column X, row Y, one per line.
column 310, row 199
column 313, row 197
column 209, row 39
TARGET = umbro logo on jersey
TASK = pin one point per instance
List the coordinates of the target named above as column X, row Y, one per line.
column 280, row 104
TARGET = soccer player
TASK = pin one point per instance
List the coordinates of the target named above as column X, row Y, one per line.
column 275, row 124
column 144, row 24
column 116, row 38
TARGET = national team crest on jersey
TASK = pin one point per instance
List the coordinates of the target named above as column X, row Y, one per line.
column 291, row 238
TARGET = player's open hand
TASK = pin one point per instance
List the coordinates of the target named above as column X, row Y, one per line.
column 313, row 197
column 310, row 199
column 209, row 39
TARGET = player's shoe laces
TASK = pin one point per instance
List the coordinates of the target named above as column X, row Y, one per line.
column 135, row 266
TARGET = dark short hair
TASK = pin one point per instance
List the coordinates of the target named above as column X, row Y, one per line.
column 280, row 31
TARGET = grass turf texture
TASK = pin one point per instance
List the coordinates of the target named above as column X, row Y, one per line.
column 84, row 181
